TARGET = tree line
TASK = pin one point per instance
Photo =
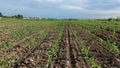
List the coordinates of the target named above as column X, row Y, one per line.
column 19, row 16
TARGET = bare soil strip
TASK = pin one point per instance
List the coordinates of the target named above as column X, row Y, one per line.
column 69, row 54
column 39, row 56
column 101, row 54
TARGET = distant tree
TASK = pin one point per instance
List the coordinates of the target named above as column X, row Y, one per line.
column 118, row 19
column 1, row 15
column 19, row 16
column 110, row 19
column 7, row 16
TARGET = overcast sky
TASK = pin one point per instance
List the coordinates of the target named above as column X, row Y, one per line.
column 62, row 8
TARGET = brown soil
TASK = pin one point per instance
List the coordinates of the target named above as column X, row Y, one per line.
column 118, row 31
column 3, row 37
column 39, row 56
column 101, row 54
column 69, row 54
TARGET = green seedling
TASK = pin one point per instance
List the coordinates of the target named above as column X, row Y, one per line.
column 92, row 61
column 37, row 67
column 113, row 47
column 50, row 56
column 101, row 40
column 7, row 44
column 5, row 63
column 85, row 50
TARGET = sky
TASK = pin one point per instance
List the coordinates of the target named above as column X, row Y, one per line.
column 61, row 8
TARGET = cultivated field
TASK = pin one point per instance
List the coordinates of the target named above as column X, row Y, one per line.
column 59, row 43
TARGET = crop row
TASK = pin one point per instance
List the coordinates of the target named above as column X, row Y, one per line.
column 28, row 39
column 94, row 27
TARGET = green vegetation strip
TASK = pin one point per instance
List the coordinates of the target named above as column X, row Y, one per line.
column 55, row 46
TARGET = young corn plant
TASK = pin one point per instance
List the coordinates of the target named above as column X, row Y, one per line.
column 6, row 45
column 113, row 47
column 6, row 63
column 92, row 61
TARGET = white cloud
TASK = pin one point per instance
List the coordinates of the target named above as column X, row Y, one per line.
column 105, row 12
column 80, row 9
column 49, row 1
column 118, row 0
column 72, row 7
